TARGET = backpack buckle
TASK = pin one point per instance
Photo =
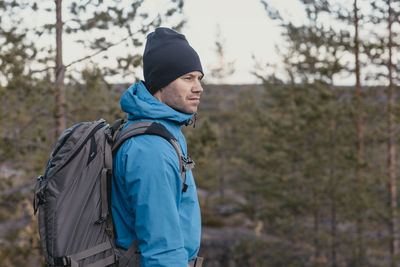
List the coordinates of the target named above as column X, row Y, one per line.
column 117, row 126
column 100, row 221
column 62, row 261
column 39, row 197
column 188, row 163
column 109, row 231
column 109, row 137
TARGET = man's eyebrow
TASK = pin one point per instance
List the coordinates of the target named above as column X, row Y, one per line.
column 194, row 75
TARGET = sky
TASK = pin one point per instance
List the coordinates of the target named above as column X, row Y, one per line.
column 249, row 36
column 245, row 28
column 245, row 31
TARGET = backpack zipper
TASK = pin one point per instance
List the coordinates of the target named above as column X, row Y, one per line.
column 95, row 129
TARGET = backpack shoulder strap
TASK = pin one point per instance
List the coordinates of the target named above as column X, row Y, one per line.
column 153, row 128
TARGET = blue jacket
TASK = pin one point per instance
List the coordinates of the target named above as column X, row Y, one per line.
column 147, row 198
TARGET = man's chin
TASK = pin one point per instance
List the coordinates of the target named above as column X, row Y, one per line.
column 187, row 111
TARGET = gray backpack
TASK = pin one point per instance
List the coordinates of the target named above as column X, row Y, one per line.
column 73, row 196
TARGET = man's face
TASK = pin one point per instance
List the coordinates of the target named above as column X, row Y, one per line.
column 183, row 94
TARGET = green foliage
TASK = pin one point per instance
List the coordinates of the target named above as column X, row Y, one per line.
column 94, row 98
column 259, row 252
column 203, row 143
column 210, row 218
column 278, row 159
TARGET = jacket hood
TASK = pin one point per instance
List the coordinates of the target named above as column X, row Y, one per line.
column 140, row 104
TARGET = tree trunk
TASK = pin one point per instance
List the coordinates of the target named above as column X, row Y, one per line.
column 317, row 252
column 360, row 145
column 60, row 98
column 334, row 232
column 222, row 157
column 333, row 195
column 394, row 243
column 360, row 123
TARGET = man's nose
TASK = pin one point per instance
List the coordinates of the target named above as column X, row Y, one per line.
column 198, row 88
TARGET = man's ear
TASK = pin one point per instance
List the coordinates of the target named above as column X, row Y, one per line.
column 158, row 94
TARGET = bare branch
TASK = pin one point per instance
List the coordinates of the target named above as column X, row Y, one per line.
column 87, row 57
column 99, row 51
column 42, row 70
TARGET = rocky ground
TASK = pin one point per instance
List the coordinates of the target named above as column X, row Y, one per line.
column 19, row 239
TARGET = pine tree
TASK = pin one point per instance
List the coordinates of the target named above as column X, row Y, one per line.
column 220, row 71
column 394, row 228
column 313, row 57
column 385, row 14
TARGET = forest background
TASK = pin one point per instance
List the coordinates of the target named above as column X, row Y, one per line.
column 298, row 170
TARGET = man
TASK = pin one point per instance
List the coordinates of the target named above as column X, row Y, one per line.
column 148, row 202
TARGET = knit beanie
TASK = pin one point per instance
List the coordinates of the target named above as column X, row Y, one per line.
column 167, row 56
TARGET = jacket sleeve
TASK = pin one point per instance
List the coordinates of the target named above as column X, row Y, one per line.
column 154, row 187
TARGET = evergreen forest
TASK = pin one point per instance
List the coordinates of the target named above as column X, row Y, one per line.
column 299, row 169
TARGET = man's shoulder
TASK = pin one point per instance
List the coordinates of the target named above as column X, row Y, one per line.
column 149, row 152
column 148, row 144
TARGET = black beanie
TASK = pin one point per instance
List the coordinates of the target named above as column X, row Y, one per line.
column 167, row 56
